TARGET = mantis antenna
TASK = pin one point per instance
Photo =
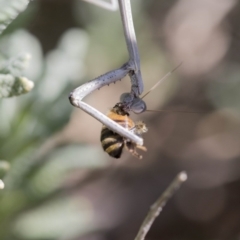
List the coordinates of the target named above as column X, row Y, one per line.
column 137, row 105
column 161, row 80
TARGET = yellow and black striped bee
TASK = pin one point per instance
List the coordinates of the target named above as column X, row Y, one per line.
column 113, row 143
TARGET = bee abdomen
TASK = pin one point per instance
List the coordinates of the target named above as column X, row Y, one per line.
column 112, row 143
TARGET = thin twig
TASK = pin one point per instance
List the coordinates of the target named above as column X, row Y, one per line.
column 157, row 207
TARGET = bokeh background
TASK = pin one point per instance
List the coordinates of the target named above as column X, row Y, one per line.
column 60, row 185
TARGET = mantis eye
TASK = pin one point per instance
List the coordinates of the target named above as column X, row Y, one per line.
column 138, row 105
column 134, row 104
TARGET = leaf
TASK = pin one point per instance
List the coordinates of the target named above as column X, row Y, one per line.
column 13, row 86
column 9, row 10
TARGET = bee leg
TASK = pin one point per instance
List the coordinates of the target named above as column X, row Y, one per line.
column 134, row 153
column 143, row 148
column 139, row 128
column 131, row 147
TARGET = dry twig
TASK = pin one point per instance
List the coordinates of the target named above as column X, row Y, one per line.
column 157, row 207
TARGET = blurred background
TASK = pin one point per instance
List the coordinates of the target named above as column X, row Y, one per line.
column 60, row 185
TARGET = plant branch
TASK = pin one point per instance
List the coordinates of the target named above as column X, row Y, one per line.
column 157, row 207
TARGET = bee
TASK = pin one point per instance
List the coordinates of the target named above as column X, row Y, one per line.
column 112, row 142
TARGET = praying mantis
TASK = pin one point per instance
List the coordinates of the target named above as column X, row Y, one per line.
column 131, row 67
column 132, row 100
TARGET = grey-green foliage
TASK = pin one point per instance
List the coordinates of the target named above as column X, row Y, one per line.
column 28, row 126
column 9, row 10
column 11, row 81
column 37, row 173
column 4, row 167
column 14, row 86
column 72, row 217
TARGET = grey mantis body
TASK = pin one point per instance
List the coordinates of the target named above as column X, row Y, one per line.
column 132, row 68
